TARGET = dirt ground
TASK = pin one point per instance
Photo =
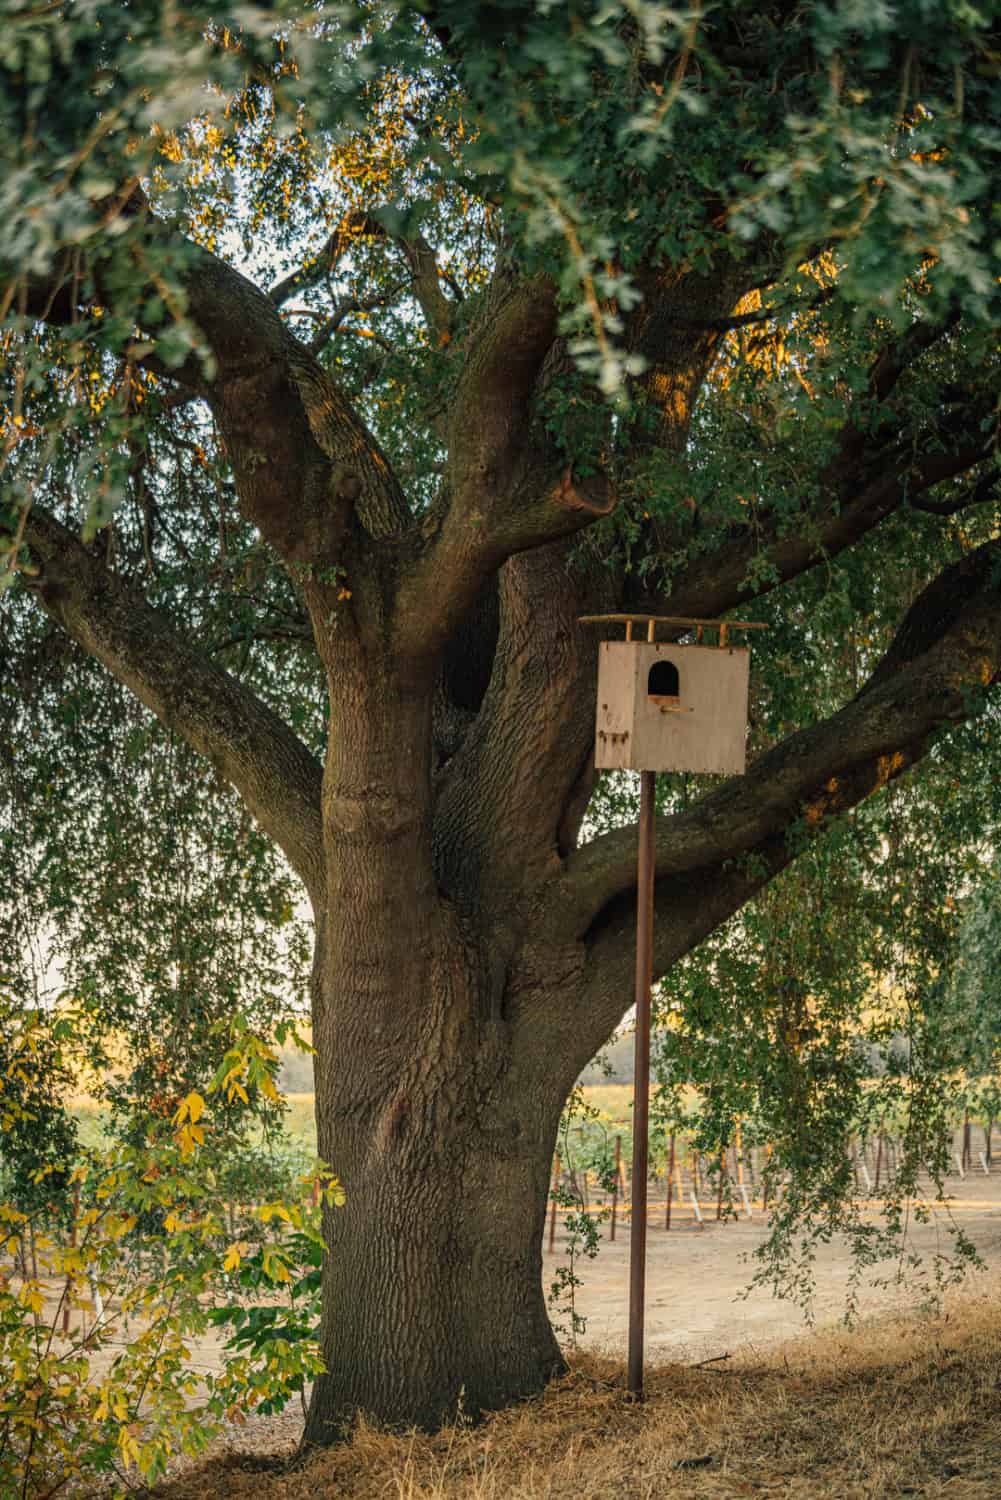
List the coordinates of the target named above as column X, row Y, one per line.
column 697, row 1277
column 697, row 1303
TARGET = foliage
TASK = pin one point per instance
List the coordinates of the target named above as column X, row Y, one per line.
column 813, row 1019
column 583, row 1147
column 39, row 1139
column 111, row 1267
column 874, row 132
column 735, row 273
column 968, row 1011
column 137, row 894
column 781, row 1017
column 266, row 1330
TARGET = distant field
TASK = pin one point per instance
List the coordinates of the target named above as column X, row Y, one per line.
column 613, row 1100
column 300, row 1121
column 90, row 1117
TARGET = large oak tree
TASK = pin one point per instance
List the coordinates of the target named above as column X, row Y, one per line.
column 611, row 309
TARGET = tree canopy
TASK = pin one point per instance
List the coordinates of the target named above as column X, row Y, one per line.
column 351, row 354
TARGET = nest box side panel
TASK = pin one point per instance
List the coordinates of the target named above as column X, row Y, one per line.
column 618, row 671
column 703, row 727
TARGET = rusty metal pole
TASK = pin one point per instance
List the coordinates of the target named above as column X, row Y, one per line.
column 641, row 1083
column 670, row 1187
column 557, row 1170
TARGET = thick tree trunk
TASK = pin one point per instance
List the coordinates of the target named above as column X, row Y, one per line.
column 433, row 1299
column 440, row 1128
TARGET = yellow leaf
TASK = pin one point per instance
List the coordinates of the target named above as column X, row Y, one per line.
column 31, row 1296
column 189, row 1137
column 128, row 1445
column 276, row 1269
column 191, row 1108
column 231, row 1260
column 334, row 1193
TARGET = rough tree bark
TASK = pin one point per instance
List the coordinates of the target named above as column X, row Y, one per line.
column 469, row 958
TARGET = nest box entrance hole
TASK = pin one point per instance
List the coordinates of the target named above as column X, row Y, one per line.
column 663, row 684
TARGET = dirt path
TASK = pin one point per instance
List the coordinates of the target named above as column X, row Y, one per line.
column 696, row 1279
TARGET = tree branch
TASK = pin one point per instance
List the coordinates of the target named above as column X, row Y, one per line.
column 707, row 872
column 749, row 319
column 303, row 460
column 901, row 353
column 985, row 489
column 867, row 478
column 330, row 323
column 359, row 224
column 438, row 309
column 294, row 632
column 503, row 797
column 720, row 580
column 507, row 490
column 355, row 226
column 677, row 330
column 252, row 748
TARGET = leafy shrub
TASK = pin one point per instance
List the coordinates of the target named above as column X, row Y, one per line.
column 97, row 1323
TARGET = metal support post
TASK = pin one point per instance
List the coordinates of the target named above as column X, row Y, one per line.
column 641, row 1086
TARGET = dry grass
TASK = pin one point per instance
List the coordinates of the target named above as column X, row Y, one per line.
column 904, row 1407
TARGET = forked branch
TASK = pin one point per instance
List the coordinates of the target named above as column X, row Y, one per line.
column 508, row 490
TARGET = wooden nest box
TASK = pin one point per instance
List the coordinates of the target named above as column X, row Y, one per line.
column 664, row 707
